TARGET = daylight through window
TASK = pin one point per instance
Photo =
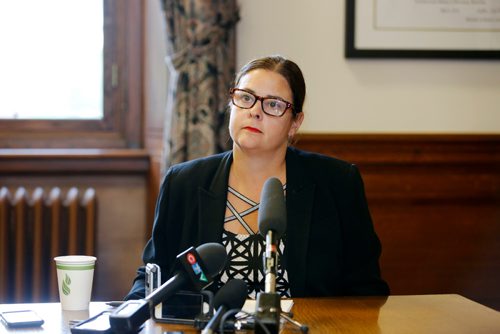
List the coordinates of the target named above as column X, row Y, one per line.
column 51, row 62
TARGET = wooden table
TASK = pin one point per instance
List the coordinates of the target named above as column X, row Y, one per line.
column 395, row 314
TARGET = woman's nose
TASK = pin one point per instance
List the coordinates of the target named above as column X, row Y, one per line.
column 256, row 111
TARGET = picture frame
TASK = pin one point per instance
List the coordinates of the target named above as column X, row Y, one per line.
column 454, row 29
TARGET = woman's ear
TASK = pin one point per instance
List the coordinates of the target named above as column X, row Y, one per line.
column 296, row 123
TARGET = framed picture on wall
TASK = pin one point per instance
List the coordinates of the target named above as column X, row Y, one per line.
column 461, row 29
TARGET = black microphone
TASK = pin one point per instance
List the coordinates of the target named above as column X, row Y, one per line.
column 231, row 296
column 272, row 225
column 198, row 267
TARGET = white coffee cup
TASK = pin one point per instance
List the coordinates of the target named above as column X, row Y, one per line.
column 75, row 274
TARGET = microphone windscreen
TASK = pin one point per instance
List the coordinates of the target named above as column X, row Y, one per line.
column 214, row 257
column 272, row 208
column 232, row 295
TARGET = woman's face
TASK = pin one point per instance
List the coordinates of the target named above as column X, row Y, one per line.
column 254, row 131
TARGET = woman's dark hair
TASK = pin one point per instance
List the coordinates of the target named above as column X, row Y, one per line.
column 287, row 68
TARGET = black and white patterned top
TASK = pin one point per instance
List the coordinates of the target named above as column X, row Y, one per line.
column 245, row 254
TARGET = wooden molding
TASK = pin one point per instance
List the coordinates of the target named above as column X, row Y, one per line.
column 75, row 161
column 419, row 167
column 373, row 149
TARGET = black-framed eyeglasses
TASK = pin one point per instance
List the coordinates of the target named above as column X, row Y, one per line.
column 272, row 106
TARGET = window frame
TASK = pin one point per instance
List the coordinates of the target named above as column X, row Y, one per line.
column 121, row 126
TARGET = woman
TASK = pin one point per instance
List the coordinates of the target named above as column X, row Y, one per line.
column 329, row 248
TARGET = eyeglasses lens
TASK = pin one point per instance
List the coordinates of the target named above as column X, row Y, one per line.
column 274, row 107
column 243, row 99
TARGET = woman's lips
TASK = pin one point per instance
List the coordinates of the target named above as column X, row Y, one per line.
column 251, row 129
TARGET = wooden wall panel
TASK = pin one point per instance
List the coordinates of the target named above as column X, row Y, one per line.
column 435, row 202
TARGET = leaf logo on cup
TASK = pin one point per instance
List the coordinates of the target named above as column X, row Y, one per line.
column 65, row 285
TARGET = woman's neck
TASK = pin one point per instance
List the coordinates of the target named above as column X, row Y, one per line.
column 250, row 171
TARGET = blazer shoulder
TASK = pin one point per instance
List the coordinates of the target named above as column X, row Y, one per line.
column 196, row 166
column 199, row 171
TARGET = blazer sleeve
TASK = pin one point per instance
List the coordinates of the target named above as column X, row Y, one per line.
column 361, row 247
column 160, row 249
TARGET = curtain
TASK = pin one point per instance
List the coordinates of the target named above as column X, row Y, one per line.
column 201, row 65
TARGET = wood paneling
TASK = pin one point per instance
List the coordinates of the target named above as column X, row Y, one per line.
column 435, row 203
column 75, row 161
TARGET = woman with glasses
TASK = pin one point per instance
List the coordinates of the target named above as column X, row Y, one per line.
column 329, row 247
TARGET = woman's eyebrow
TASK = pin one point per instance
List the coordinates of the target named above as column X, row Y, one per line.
column 266, row 96
column 247, row 89
column 275, row 97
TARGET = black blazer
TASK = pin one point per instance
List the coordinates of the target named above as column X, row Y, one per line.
column 331, row 247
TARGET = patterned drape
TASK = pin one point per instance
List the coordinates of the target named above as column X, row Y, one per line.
column 201, row 63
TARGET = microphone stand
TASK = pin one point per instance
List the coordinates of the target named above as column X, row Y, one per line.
column 303, row 328
column 268, row 304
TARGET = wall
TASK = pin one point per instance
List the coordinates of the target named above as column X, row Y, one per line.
column 368, row 96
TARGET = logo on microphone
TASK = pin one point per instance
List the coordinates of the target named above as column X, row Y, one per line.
column 191, row 259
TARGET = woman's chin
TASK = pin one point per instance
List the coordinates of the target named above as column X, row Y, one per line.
column 253, row 147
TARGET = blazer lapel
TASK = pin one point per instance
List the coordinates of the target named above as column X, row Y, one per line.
column 299, row 204
column 213, row 203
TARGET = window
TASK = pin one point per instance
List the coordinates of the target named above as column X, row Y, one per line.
column 60, row 68
column 110, row 116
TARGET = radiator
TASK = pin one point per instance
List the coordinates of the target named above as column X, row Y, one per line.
column 35, row 228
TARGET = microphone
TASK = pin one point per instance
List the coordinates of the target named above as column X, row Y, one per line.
column 231, row 296
column 272, row 225
column 198, row 267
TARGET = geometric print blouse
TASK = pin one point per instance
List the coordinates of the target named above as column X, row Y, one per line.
column 245, row 254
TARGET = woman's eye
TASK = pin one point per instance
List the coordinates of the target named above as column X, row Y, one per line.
column 246, row 97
